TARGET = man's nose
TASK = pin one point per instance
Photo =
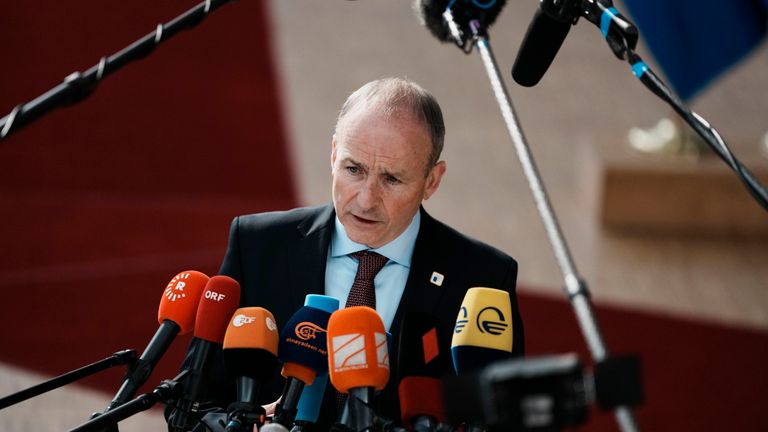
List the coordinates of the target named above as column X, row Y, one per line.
column 369, row 194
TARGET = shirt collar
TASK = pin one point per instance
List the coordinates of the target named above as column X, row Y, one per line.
column 399, row 250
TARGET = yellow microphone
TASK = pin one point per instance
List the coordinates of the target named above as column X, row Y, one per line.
column 483, row 331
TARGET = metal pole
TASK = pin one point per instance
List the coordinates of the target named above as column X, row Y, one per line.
column 575, row 287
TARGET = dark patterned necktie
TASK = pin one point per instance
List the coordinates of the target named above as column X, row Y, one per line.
column 362, row 292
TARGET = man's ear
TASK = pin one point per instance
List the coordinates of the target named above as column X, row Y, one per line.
column 433, row 179
column 333, row 151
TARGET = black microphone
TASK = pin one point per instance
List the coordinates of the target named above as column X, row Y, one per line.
column 541, row 43
column 550, row 26
column 219, row 301
column 311, row 401
column 176, row 315
column 303, row 349
column 250, row 354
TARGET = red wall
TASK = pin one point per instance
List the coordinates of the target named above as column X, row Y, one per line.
column 101, row 203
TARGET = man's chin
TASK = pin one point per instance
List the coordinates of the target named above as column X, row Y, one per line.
column 369, row 241
column 367, row 238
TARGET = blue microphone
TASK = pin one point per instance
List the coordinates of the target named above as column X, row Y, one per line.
column 304, row 352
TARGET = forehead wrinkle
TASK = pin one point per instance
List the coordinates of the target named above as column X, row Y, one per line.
column 378, row 168
column 353, row 138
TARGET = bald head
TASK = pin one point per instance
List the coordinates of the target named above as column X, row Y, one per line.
column 396, row 98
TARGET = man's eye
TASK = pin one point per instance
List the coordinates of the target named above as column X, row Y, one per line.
column 353, row 170
column 392, row 180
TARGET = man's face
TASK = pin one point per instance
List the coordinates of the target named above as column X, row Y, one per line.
column 379, row 175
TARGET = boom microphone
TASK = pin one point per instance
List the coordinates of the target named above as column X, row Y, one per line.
column 419, row 362
column 176, row 315
column 218, row 302
column 541, row 43
column 358, row 361
column 431, row 14
column 303, row 349
column 250, row 354
column 550, row 26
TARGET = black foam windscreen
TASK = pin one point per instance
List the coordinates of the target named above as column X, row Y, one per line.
column 422, row 349
column 542, row 41
column 304, row 339
column 430, row 13
column 467, row 358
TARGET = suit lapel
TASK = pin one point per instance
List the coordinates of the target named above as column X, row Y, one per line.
column 420, row 294
column 310, row 254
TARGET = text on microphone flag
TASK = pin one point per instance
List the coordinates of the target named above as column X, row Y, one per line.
column 382, row 350
column 491, row 326
column 349, row 352
column 308, row 330
column 175, row 288
column 241, row 320
column 484, row 320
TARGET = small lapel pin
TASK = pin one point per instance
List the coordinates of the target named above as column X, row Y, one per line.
column 436, row 279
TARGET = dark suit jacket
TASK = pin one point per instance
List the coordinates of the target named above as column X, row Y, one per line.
column 280, row 257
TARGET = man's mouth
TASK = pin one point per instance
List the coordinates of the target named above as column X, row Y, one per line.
column 363, row 220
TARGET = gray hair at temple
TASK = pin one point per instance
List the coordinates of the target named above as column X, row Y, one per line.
column 396, row 96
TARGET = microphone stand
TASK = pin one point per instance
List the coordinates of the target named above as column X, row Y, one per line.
column 575, row 286
column 117, row 359
column 621, row 36
column 77, row 86
column 167, row 392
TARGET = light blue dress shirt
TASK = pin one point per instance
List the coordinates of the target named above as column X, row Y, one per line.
column 341, row 268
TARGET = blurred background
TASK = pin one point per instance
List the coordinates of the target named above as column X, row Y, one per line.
column 102, row 203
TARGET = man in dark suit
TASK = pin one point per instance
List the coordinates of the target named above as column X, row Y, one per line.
column 385, row 161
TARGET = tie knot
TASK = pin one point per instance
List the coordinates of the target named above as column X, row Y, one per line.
column 369, row 264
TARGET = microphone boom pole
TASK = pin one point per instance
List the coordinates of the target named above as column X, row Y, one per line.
column 77, row 86
column 125, row 357
column 575, row 287
column 166, row 392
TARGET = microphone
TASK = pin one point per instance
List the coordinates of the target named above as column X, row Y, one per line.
column 303, row 349
column 218, row 302
column 358, row 361
column 250, row 354
column 311, row 400
column 482, row 335
column 542, row 41
column 176, row 315
column 550, row 26
column 483, row 331
column 449, row 20
column 310, row 403
column 419, row 361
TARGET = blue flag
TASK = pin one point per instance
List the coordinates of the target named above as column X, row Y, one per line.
column 695, row 41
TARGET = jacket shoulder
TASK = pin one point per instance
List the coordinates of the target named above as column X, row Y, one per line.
column 453, row 242
column 282, row 220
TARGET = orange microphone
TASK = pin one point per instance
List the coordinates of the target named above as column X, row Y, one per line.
column 250, row 354
column 176, row 315
column 358, row 361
